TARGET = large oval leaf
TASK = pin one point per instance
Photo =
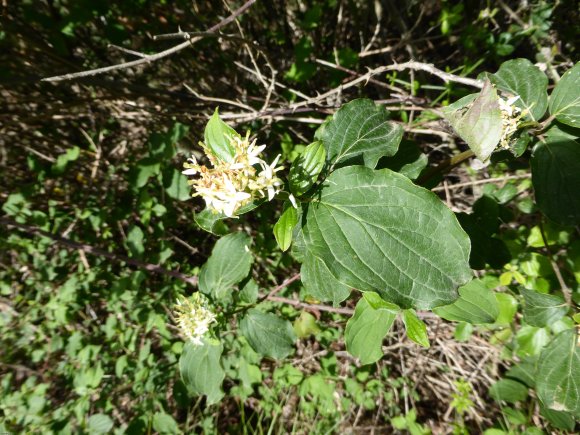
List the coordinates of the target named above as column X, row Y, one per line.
column 556, row 177
column 565, row 99
column 377, row 231
column 477, row 120
column 558, row 373
column 521, row 77
column 361, row 128
column 201, row 370
column 541, row 309
column 229, row 263
column 365, row 331
column 268, row 334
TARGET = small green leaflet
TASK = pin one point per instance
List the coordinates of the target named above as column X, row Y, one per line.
column 284, row 228
column 477, row 121
column 366, row 329
column 416, row 329
column 306, row 168
column 216, row 137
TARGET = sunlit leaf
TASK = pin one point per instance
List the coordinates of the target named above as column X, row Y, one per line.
column 365, row 331
column 477, row 121
column 376, row 231
column 476, row 304
column 229, row 263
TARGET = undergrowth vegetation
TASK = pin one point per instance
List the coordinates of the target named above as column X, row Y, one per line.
column 315, row 216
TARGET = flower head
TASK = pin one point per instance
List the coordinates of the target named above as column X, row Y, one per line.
column 228, row 186
column 510, row 117
column 194, row 317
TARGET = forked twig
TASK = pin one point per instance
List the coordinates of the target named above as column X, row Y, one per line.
column 148, row 58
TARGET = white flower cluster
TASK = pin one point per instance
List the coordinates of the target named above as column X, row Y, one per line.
column 510, row 117
column 227, row 186
column 193, row 317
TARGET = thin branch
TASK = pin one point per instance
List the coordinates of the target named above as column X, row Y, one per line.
column 484, row 181
column 99, row 252
column 297, row 304
column 153, row 57
column 411, row 65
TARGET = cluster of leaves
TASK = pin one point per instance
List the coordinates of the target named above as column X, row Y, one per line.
column 374, row 230
column 88, row 345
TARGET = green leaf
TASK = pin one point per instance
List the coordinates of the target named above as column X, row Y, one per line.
column 229, row 263
column 365, row 331
column 306, row 168
column 508, row 390
column 409, row 160
column 361, row 128
column 507, row 308
column 305, row 325
column 531, row 340
column 376, row 231
column 201, row 370
column 376, row 302
column 565, row 98
column 542, row 310
column 320, row 283
column 100, row 424
column 268, row 334
column 144, row 169
column 463, row 331
column 524, row 371
column 559, row 419
column 176, row 185
column 283, row 229
column 217, row 136
column 558, row 374
column 249, row 293
column 416, row 329
column 135, row 237
column 211, row 222
column 556, row 177
column 476, row 305
column 521, row 77
column 477, row 121
column 63, row 160
column 165, row 424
